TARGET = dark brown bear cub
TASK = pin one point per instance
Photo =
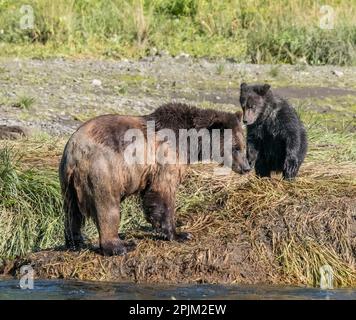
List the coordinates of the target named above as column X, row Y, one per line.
column 276, row 138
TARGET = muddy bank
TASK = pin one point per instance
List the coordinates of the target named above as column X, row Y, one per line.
column 246, row 231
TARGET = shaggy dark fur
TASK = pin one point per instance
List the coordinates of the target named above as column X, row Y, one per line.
column 95, row 178
column 182, row 116
column 276, row 138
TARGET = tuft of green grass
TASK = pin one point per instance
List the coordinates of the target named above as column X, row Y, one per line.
column 121, row 89
column 274, row 71
column 300, row 66
column 24, row 103
column 30, row 207
column 220, row 68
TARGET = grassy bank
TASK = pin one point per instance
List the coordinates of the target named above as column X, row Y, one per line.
column 257, row 31
column 246, row 230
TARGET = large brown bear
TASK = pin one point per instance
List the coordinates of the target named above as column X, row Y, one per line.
column 96, row 174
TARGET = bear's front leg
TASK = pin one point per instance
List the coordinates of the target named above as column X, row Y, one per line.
column 262, row 167
column 290, row 167
column 160, row 212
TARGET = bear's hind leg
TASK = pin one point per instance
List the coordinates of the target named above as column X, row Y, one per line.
column 73, row 221
column 107, row 221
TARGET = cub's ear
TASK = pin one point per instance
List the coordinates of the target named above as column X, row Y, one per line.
column 262, row 89
column 243, row 86
column 239, row 116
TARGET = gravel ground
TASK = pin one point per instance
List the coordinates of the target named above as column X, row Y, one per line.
column 55, row 96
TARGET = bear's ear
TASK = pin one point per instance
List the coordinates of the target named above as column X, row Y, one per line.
column 262, row 89
column 243, row 86
column 239, row 116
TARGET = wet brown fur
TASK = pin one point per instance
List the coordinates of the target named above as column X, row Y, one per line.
column 95, row 177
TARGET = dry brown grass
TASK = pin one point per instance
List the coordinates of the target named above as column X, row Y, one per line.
column 246, row 230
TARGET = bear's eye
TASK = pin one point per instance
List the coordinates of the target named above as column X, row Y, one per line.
column 250, row 105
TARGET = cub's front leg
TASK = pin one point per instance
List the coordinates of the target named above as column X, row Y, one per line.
column 290, row 167
column 291, row 163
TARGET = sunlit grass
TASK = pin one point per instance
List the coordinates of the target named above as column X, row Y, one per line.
column 256, row 31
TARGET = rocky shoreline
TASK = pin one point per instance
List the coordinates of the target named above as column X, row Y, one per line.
column 56, row 95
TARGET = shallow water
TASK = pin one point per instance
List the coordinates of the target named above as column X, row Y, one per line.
column 60, row 289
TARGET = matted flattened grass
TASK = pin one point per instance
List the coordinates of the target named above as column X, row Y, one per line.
column 246, row 230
